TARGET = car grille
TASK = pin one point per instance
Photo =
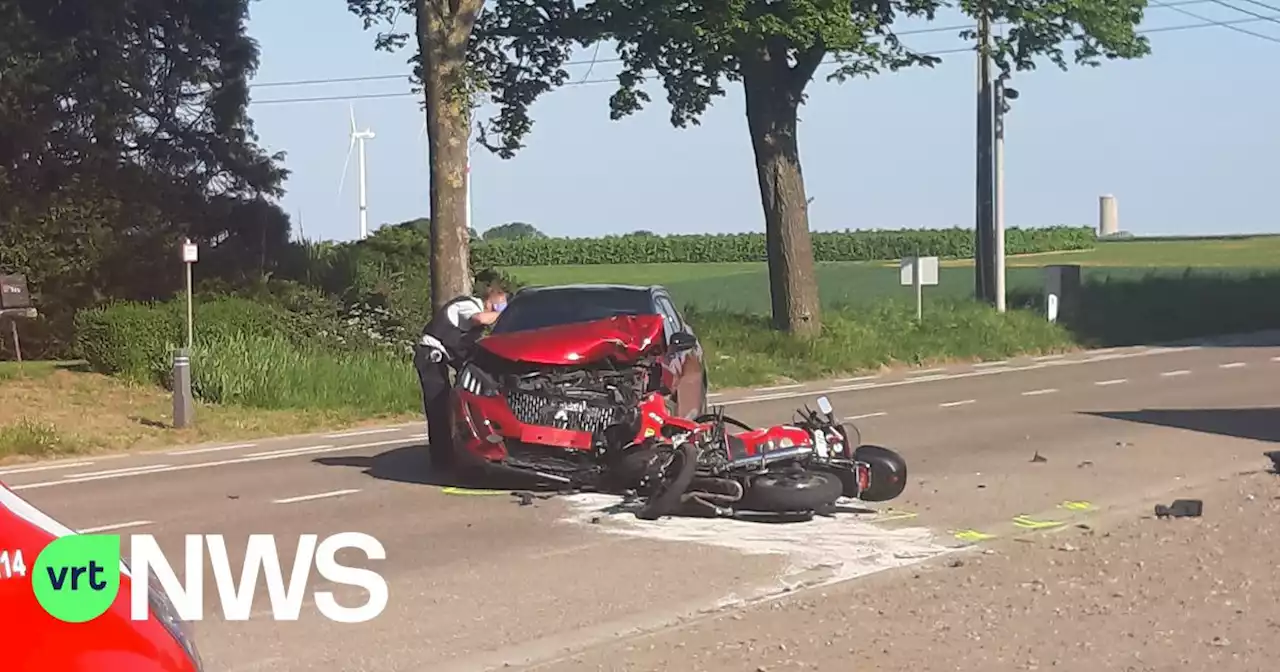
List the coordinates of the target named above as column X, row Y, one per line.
column 547, row 412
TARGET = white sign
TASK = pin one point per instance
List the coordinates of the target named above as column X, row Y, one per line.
column 190, row 253
column 147, row 560
column 928, row 270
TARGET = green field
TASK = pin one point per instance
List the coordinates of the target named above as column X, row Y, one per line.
column 745, row 286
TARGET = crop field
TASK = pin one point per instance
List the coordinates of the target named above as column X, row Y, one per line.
column 745, row 286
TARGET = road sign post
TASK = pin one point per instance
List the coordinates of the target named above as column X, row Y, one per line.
column 917, row 272
column 183, row 402
column 190, row 255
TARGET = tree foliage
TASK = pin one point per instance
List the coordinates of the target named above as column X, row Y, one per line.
column 513, row 231
column 775, row 47
column 123, row 128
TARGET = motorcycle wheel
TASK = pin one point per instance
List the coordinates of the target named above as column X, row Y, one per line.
column 888, row 472
column 675, row 481
column 790, row 491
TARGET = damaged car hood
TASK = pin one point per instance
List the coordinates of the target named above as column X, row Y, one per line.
column 623, row 337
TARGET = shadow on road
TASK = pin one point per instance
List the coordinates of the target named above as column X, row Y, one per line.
column 410, row 464
column 1259, row 424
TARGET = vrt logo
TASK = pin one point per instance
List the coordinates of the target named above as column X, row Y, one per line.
column 76, row 578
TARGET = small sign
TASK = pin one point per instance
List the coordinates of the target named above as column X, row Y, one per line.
column 190, row 253
column 928, row 270
column 13, row 292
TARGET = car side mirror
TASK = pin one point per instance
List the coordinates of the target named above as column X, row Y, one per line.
column 682, row 341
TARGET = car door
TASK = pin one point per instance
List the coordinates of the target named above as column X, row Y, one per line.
column 685, row 367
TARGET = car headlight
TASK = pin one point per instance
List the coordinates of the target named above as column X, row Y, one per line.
column 164, row 611
column 475, row 381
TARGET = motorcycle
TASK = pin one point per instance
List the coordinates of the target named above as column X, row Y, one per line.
column 803, row 467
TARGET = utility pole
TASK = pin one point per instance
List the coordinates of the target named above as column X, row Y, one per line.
column 984, row 243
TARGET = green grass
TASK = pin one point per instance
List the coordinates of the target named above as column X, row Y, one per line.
column 744, row 287
column 742, row 350
column 35, row 439
column 269, row 372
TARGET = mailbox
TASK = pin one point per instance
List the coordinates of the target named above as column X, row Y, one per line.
column 13, row 292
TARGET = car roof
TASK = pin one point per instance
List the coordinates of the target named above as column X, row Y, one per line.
column 589, row 287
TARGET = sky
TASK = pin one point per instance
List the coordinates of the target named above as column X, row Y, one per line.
column 1186, row 139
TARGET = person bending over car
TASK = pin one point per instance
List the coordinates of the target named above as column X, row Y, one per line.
column 446, row 342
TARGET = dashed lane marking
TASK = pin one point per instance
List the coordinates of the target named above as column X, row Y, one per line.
column 1113, row 381
column 318, row 495
column 116, row 526
column 1179, row 372
column 864, row 416
column 362, row 432
column 1036, row 393
column 963, row 402
column 128, row 471
column 1232, row 365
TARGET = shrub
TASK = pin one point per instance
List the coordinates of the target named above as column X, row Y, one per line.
column 136, row 340
column 748, row 247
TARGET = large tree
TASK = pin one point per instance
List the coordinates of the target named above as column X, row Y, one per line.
column 775, row 47
column 511, row 50
column 123, row 128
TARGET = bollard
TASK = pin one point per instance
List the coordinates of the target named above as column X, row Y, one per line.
column 183, row 405
column 1062, row 286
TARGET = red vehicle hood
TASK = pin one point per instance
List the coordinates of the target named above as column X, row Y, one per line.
column 623, row 337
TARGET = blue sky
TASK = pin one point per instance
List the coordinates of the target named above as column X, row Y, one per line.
column 1186, row 139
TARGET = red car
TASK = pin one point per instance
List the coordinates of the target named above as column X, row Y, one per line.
column 34, row 641
column 562, row 375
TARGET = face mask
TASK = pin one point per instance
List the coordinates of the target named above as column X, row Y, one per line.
column 500, row 306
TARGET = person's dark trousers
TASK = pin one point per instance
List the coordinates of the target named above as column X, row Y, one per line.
column 434, row 378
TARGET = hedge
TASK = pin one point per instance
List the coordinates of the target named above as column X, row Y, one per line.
column 748, row 247
column 136, row 340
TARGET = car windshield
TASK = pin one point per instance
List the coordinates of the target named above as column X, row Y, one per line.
column 551, row 307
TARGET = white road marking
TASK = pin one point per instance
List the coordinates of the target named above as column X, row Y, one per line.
column 857, row 379
column 980, row 365
column 214, row 449
column 117, row 526
column 713, row 395
column 307, row 498
column 1232, row 365
column 1045, row 358
column 289, row 451
column 1179, row 372
column 47, row 467
column 918, row 372
column 362, row 432
column 218, row 463
column 1113, row 381
column 1275, row 359
column 112, row 472
column 777, row 388
column 864, row 416
column 966, row 374
column 963, row 402
column 1036, row 393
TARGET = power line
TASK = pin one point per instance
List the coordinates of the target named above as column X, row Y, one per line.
column 1206, row 23
column 1226, row 24
column 593, row 61
column 1251, row 12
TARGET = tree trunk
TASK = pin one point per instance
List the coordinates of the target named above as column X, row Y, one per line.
column 444, row 29
column 773, row 101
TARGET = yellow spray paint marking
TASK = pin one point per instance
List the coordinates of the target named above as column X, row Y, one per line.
column 468, row 491
column 895, row 515
column 973, row 535
column 1077, row 506
column 1033, row 524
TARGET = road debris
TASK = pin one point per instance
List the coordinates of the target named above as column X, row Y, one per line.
column 1181, row 508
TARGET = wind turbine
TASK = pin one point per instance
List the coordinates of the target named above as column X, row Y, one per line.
column 466, row 180
column 358, row 137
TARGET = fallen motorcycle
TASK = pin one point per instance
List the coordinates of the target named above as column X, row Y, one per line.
column 801, row 467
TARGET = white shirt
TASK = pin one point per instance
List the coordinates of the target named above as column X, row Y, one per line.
column 458, row 315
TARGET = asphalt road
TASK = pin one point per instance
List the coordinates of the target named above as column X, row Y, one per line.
column 479, row 581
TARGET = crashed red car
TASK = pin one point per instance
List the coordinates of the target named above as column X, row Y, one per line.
column 560, row 380
column 34, row 641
